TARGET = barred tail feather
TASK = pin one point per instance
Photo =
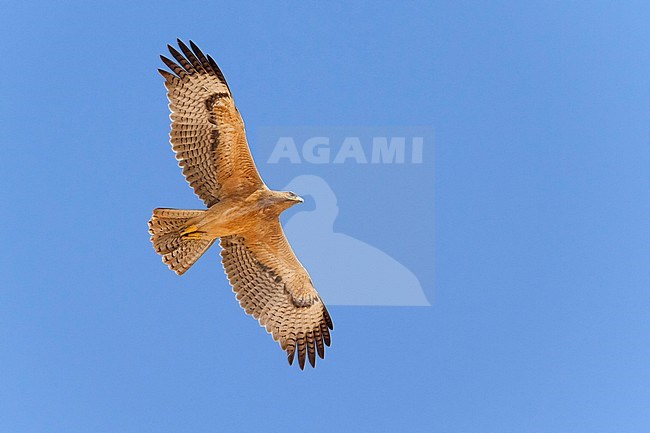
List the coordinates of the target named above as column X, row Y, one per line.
column 178, row 253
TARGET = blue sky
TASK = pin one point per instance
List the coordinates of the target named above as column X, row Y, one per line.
column 538, row 271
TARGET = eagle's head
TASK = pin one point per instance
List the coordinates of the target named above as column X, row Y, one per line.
column 288, row 199
column 293, row 198
column 281, row 200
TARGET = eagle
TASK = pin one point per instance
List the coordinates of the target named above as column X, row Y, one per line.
column 209, row 141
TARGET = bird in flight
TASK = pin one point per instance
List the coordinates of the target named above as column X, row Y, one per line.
column 209, row 140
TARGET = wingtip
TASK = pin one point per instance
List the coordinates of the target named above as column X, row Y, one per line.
column 168, row 62
column 181, row 44
column 328, row 318
column 174, row 52
column 301, row 360
column 195, row 48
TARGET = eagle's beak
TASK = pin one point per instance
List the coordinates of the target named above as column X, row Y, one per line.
column 300, row 199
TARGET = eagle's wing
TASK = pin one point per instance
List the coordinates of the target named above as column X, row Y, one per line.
column 207, row 132
column 273, row 287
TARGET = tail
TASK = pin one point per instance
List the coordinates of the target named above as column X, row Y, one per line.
column 178, row 251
